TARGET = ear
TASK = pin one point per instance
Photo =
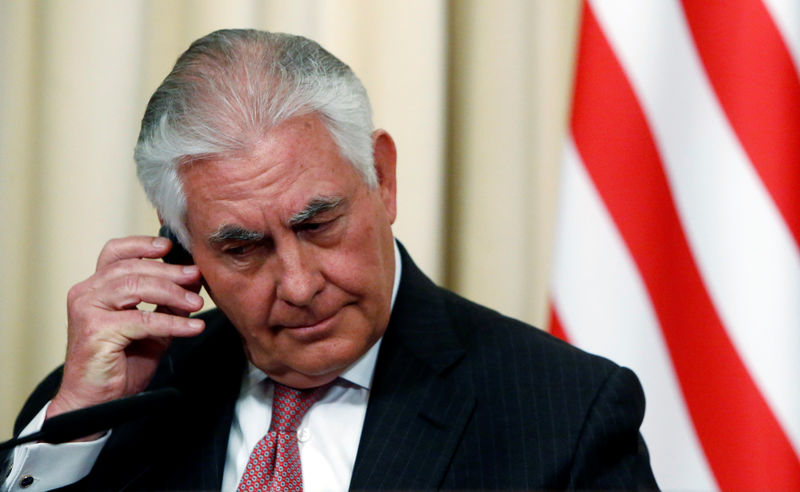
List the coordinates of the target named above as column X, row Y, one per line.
column 160, row 218
column 385, row 155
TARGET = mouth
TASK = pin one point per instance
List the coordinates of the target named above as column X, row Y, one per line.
column 301, row 326
column 311, row 331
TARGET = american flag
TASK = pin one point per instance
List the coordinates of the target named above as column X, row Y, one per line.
column 677, row 245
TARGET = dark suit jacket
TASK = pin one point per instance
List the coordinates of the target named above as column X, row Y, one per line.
column 462, row 398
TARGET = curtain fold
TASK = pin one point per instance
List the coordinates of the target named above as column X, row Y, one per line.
column 510, row 75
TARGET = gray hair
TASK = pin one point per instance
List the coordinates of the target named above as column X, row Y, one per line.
column 231, row 87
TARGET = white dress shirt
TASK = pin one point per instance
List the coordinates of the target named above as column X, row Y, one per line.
column 328, row 434
column 327, row 437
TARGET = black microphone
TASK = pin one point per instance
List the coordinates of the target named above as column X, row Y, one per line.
column 84, row 422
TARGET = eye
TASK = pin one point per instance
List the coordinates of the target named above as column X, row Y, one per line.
column 314, row 226
column 239, row 250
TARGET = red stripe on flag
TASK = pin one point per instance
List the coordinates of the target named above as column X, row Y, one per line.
column 757, row 84
column 556, row 328
column 743, row 442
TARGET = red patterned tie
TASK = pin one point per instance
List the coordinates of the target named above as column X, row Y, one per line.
column 275, row 461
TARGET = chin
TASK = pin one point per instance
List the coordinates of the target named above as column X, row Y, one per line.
column 319, row 363
column 306, row 377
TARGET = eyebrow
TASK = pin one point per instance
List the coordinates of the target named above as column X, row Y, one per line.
column 232, row 232
column 314, row 208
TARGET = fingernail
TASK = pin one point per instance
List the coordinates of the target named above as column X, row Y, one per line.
column 196, row 323
column 190, row 269
column 160, row 242
column 194, row 298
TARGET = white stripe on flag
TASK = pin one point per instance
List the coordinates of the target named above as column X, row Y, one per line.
column 786, row 16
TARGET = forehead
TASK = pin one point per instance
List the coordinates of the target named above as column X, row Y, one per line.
column 288, row 168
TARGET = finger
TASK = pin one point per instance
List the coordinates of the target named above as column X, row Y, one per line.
column 139, row 325
column 185, row 275
column 133, row 247
column 128, row 291
column 174, row 312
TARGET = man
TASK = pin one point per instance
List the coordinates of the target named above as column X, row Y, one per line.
column 258, row 151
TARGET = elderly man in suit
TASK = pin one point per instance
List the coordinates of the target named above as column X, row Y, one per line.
column 331, row 361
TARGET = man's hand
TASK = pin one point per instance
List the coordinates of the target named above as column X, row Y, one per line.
column 113, row 347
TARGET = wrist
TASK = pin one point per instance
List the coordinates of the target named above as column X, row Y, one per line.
column 61, row 404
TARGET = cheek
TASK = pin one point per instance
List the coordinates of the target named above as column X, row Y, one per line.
column 361, row 272
column 244, row 300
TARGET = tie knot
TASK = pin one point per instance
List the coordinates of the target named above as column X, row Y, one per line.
column 290, row 404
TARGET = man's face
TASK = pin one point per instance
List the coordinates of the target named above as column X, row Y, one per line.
column 296, row 249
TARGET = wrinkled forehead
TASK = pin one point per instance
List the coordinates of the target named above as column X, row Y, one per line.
column 293, row 146
column 287, row 170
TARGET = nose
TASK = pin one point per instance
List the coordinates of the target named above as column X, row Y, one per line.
column 300, row 278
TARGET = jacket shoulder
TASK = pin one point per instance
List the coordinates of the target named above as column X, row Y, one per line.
column 575, row 414
column 486, row 331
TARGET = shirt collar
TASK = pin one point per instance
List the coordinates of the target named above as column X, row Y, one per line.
column 360, row 372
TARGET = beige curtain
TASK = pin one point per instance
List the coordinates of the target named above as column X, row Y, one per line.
column 475, row 93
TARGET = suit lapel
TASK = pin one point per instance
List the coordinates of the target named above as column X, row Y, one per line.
column 418, row 406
